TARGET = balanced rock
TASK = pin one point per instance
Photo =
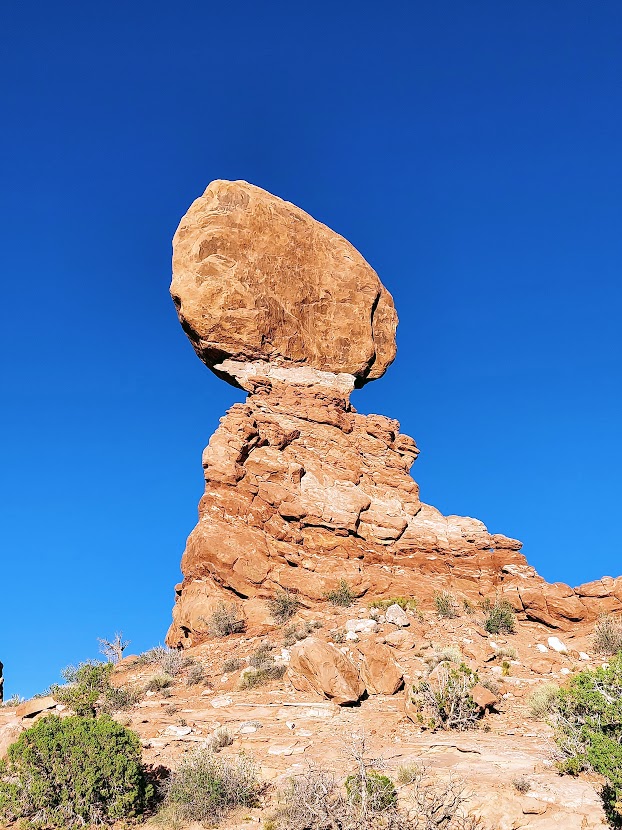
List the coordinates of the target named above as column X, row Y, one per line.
column 302, row 492
column 262, row 288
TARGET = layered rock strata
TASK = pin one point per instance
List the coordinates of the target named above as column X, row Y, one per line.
column 301, row 491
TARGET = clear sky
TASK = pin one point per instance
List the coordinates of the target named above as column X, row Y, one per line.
column 471, row 151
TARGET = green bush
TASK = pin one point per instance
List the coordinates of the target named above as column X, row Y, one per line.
column 89, row 690
column 206, row 787
column 379, row 790
column 341, row 596
column 500, row 619
column 589, row 729
column 283, row 606
column 64, row 772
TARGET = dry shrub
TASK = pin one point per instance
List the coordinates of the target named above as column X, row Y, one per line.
column 283, row 606
column 226, row 620
column 207, row 786
column 607, row 636
column 444, row 699
column 446, row 604
column 293, row 633
column 341, row 596
column 315, row 800
column 543, row 700
column 232, row 664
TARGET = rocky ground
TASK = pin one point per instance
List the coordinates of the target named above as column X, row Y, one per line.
column 507, row 763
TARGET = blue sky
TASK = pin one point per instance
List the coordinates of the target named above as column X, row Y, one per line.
column 471, row 151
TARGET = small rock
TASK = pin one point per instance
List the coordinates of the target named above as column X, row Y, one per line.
column 483, row 697
column 366, row 626
column 556, row 644
column 397, row 616
column 221, row 700
column 178, row 731
column 352, row 636
column 564, row 671
column 541, row 648
column 531, row 807
column 282, row 749
column 290, row 724
column 583, row 656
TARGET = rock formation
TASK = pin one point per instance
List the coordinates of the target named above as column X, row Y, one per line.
column 302, row 491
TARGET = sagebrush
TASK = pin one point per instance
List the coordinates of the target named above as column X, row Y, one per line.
column 206, row 786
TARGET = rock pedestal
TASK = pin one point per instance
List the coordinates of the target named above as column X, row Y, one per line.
column 301, row 491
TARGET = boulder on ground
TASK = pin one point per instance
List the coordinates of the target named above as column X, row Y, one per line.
column 32, row 707
column 483, row 697
column 321, row 666
column 396, row 615
column 379, row 671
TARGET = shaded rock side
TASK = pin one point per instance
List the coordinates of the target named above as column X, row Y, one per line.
column 261, row 286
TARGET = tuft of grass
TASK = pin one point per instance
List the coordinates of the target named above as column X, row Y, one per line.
column 543, row 700
column 341, row 596
column 159, row 682
column 263, row 668
column 283, row 606
column 448, row 654
column 219, row 738
column 405, row 603
column 408, row 773
column 506, row 651
column 259, row 677
column 446, row 605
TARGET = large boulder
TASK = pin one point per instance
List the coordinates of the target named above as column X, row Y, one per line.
column 320, row 666
column 29, row 708
column 379, row 671
column 262, row 287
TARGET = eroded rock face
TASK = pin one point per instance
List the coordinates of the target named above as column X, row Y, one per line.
column 263, row 288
